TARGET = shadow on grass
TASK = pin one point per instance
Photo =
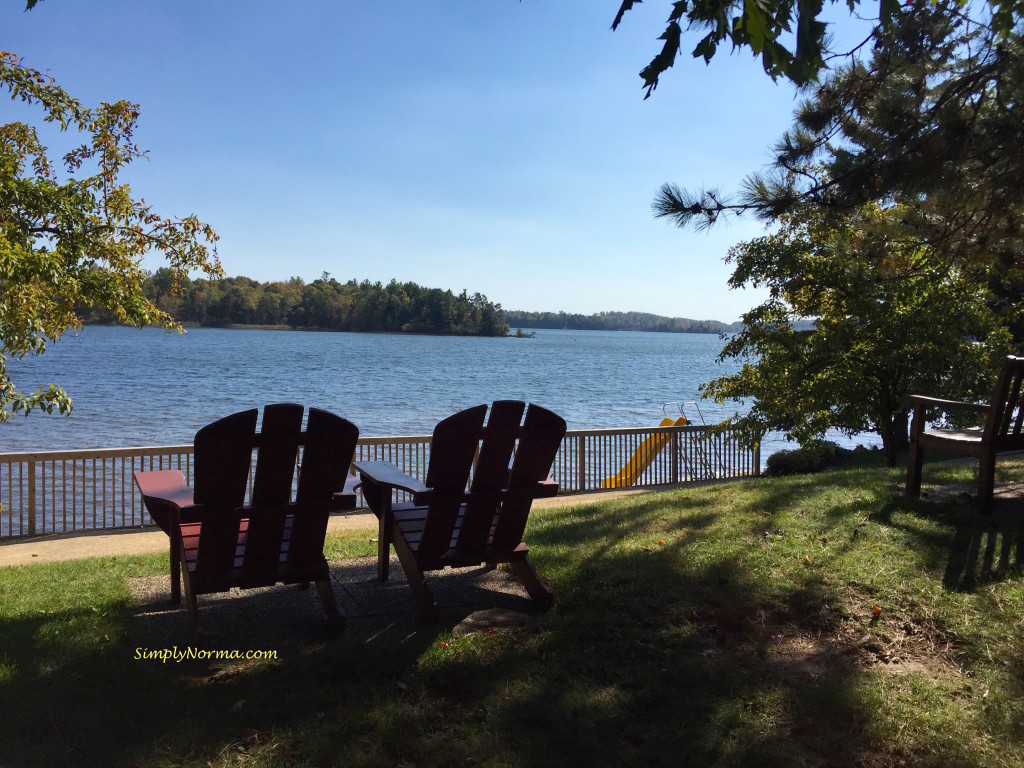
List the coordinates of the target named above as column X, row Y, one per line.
column 92, row 701
column 976, row 548
column 666, row 657
column 644, row 660
column 668, row 644
column 984, row 549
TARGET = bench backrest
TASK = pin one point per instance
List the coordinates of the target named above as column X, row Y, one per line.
column 1005, row 416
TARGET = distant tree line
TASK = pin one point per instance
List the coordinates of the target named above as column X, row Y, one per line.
column 613, row 321
column 327, row 304
column 324, row 304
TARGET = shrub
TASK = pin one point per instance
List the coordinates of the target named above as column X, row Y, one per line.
column 813, row 457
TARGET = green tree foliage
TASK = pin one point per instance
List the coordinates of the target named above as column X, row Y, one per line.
column 900, row 195
column 72, row 234
column 929, row 122
column 893, row 317
column 324, row 304
column 788, row 35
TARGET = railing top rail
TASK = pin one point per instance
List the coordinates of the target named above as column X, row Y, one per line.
column 95, row 453
column 161, row 450
column 157, row 450
column 639, row 430
column 403, row 439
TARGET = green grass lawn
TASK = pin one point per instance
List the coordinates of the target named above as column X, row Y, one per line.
column 730, row 624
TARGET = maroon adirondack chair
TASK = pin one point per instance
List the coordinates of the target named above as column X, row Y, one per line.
column 218, row 542
column 446, row 525
column 1004, row 418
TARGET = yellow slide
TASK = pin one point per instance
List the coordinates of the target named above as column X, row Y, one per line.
column 644, row 456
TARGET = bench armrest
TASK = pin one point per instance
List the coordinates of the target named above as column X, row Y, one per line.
column 918, row 401
column 921, row 403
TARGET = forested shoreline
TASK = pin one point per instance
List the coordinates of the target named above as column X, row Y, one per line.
column 323, row 304
column 331, row 305
column 614, row 321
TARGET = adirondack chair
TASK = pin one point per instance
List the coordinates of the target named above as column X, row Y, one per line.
column 446, row 525
column 1002, row 431
column 218, row 542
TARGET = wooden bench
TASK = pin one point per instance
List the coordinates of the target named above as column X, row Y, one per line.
column 1001, row 432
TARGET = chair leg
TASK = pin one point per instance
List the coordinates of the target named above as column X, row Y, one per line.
column 191, row 604
column 429, row 612
column 383, row 546
column 538, row 591
column 195, row 628
column 334, row 617
column 176, row 554
column 914, row 461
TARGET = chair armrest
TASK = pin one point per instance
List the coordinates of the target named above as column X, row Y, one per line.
column 387, row 474
column 165, row 486
column 167, row 497
column 345, row 500
column 918, row 401
column 546, row 489
column 352, row 483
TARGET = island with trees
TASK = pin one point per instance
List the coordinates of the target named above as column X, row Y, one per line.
column 324, row 304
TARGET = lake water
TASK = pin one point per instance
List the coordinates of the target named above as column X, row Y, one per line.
column 146, row 387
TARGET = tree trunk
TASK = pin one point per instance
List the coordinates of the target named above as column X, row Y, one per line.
column 895, row 438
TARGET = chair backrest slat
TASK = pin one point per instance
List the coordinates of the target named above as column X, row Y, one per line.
column 490, row 476
column 452, row 450
column 541, row 437
column 1003, row 427
column 329, row 447
column 222, row 453
column 1014, row 413
column 1008, row 403
column 278, row 449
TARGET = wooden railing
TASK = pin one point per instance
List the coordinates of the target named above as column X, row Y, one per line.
column 62, row 491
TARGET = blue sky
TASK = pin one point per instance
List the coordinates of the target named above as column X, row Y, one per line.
column 501, row 147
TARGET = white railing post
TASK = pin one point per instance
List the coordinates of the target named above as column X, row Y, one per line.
column 31, row 497
column 673, row 445
column 581, row 463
